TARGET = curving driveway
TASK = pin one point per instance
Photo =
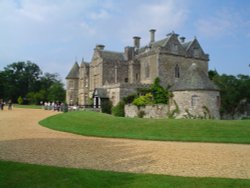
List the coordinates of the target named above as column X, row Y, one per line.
column 22, row 139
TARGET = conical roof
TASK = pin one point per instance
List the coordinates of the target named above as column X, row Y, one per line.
column 194, row 79
column 74, row 72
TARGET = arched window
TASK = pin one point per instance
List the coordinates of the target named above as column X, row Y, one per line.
column 194, row 100
column 177, row 71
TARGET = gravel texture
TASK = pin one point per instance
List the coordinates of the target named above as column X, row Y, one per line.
column 22, row 139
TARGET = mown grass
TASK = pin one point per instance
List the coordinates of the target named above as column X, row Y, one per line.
column 103, row 125
column 14, row 174
column 27, row 106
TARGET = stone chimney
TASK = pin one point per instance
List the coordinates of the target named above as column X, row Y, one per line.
column 182, row 39
column 152, row 35
column 99, row 47
column 136, row 42
column 129, row 52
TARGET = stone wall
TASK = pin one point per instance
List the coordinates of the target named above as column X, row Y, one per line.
column 120, row 90
column 148, row 69
column 149, row 111
column 195, row 101
column 167, row 63
column 72, row 91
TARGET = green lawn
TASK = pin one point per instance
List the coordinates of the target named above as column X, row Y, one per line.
column 14, row 174
column 27, row 106
column 103, row 125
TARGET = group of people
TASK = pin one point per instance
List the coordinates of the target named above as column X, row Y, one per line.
column 56, row 106
column 2, row 104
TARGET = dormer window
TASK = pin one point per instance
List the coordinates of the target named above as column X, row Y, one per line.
column 177, row 71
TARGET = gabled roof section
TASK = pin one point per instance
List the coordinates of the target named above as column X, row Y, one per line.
column 84, row 63
column 187, row 45
column 111, row 56
column 194, row 79
column 171, row 44
column 193, row 46
column 74, row 72
column 100, row 92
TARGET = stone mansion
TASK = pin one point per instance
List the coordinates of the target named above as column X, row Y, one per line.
column 181, row 64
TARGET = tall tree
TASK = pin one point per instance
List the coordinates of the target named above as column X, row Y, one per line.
column 233, row 90
column 20, row 78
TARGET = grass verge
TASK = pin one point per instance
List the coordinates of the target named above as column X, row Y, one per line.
column 27, row 106
column 14, row 174
column 103, row 125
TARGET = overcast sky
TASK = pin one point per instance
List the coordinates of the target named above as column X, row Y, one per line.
column 55, row 33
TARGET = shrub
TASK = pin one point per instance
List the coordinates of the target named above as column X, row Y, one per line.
column 143, row 100
column 130, row 98
column 20, row 100
column 160, row 94
column 106, row 106
column 118, row 110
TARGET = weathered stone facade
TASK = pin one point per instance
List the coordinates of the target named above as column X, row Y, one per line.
column 149, row 111
column 121, row 73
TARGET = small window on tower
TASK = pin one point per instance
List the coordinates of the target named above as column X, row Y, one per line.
column 218, row 101
column 177, row 71
column 126, row 80
column 194, row 100
column 136, row 76
column 147, row 71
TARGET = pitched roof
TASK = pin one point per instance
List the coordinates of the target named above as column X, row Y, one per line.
column 111, row 56
column 100, row 92
column 186, row 45
column 74, row 72
column 194, row 79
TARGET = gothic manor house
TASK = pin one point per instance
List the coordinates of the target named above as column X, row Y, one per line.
column 181, row 64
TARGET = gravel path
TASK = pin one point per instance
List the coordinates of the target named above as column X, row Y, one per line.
column 23, row 140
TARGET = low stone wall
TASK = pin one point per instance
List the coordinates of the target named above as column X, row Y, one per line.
column 149, row 111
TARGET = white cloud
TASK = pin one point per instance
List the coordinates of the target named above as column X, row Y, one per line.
column 225, row 22
column 164, row 16
column 48, row 31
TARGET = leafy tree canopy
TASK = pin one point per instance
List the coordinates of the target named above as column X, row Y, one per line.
column 26, row 80
column 234, row 90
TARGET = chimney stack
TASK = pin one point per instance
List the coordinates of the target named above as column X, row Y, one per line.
column 99, row 47
column 182, row 39
column 136, row 42
column 152, row 35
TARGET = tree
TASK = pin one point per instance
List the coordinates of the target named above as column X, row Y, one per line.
column 25, row 79
column 233, row 90
column 2, row 81
column 56, row 92
column 20, row 78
